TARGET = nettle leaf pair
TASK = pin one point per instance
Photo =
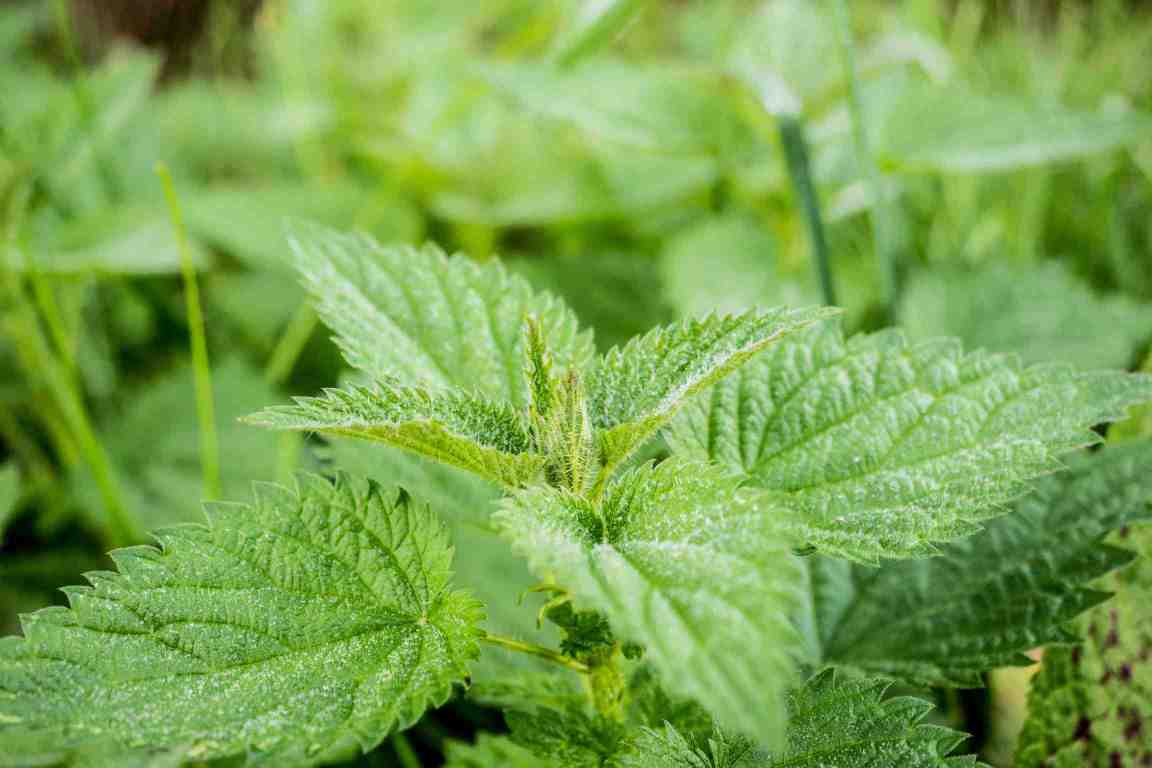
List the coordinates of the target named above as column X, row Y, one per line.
column 316, row 620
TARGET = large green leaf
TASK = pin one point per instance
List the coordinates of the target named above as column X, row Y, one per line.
column 845, row 723
column 290, row 630
column 422, row 318
column 488, row 566
column 882, row 447
column 489, row 439
column 989, row 598
column 1041, row 313
column 635, row 389
column 685, row 564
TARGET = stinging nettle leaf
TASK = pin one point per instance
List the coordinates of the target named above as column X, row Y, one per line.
column 839, row 722
column 989, row 598
column 883, row 448
column 483, row 437
column 292, row 629
column 426, row 319
column 635, row 389
column 708, row 601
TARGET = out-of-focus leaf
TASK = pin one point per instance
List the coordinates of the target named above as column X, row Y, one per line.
column 955, row 131
column 131, row 241
column 727, row 264
column 1042, row 313
column 248, row 221
column 154, row 444
column 660, row 109
column 610, row 291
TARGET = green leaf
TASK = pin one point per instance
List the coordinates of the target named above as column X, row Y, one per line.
column 883, row 448
column 1042, row 313
column 424, row 319
column 160, row 468
column 490, row 568
column 636, row 389
column 835, row 722
column 486, row 438
column 685, row 564
column 668, row 109
column 989, row 598
column 247, row 220
column 290, row 629
column 493, row 752
column 955, row 131
column 9, row 495
column 1090, row 705
column 570, row 737
column 727, row 264
column 129, row 241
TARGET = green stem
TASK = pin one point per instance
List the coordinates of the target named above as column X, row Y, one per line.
column 800, row 172
column 879, row 214
column 538, row 651
column 404, row 752
column 202, row 371
column 291, row 344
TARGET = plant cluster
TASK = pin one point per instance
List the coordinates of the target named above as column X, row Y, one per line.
column 738, row 603
column 520, row 526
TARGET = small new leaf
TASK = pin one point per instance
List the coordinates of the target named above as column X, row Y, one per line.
column 426, row 319
column 989, row 598
column 687, row 565
column 883, row 448
column 635, row 389
column 487, row 438
column 288, row 630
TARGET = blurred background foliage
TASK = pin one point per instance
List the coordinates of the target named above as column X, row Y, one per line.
column 978, row 169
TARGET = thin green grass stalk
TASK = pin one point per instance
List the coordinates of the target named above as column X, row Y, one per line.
column 800, row 173
column 291, row 344
column 122, row 525
column 41, row 289
column 610, row 20
column 880, row 213
column 404, row 752
column 201, row 368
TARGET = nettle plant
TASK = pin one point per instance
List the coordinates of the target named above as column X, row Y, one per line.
column 825, row 516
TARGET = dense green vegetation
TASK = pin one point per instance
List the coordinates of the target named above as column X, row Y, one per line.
column 507, row 522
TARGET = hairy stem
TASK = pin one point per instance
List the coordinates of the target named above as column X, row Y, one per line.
column 800, row 172
column 538, row 651
column 880, row 213
column 202, row 370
